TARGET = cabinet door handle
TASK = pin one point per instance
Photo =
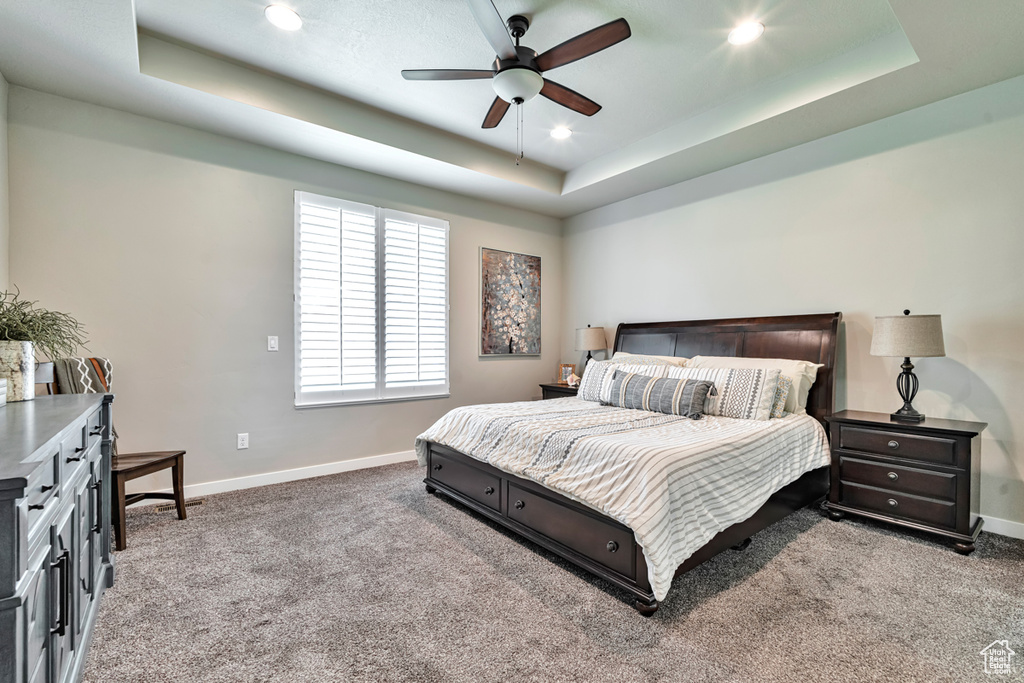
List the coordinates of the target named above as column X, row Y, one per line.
column 519, row 505
column 893, row 502
column 612, row 546
column 894, row 444
column 894, row 476
column 489, row 490
column 62, row 565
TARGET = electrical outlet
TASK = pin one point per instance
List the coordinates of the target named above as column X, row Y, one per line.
column 243, row 440
column 272, row 343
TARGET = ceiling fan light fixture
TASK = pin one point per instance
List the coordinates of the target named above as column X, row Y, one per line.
column 560, row 133
column 517, row 83
column 746, row 32
column 285, row 18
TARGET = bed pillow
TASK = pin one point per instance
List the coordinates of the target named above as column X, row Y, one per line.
column 643, row 359
column 597, row 377
column 801, row 372
column 744, row 393
column 781, row 394
column 659, row 394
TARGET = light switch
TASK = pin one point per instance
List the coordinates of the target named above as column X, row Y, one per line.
column 271, row 343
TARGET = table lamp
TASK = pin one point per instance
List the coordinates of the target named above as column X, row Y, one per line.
column 904, row 336
column 590, row 339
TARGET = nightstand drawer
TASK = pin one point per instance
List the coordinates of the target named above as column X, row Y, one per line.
column 941, row 485
column 938, row 450
column 925, row 510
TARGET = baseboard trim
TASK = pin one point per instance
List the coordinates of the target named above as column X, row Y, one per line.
column 254, row 480
column 1003, row 527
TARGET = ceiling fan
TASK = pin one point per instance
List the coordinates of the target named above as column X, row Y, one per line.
column 516, row 72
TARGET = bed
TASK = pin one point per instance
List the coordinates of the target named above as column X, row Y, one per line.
column 596, row 535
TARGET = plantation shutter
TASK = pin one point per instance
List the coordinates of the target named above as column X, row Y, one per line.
column 371, row 303
column 415, row 305
column 335, row 300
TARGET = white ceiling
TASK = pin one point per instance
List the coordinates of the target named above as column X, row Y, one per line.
column 678, row 100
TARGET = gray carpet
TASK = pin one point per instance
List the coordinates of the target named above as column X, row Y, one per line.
column 364, row 577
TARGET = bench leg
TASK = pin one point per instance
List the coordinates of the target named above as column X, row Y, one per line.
column 118, row 516
column 177, row 474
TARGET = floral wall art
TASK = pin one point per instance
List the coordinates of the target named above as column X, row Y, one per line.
column 510, row 306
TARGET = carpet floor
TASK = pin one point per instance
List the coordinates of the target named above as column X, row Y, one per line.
column 362, row 576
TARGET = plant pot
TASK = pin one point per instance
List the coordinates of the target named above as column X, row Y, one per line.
column 18, row 367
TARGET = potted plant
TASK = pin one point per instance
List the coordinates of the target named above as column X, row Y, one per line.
column 25, row 331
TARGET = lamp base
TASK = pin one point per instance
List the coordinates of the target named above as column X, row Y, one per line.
column 913, row 416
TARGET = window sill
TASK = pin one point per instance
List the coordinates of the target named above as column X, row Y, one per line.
column 368, row 401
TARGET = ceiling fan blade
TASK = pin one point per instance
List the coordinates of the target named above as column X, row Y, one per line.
column 569, row 98
column 584, row 45
column 493, row 27
column 445, row 74
column 495, row 113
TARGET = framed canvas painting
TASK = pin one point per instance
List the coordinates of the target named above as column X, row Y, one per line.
column 509, row 303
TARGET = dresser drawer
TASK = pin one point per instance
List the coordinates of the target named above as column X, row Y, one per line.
column 73, row 452
column 42, row 489
column 610, row 545
column 938, row 450
column 925, row 510
column 940, row 485
column 472, row 482
column 93, row 428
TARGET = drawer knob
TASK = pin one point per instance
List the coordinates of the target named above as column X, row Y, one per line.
column 437, row 466
column 894, row 444
column 489, row 490
column 612, row 546
column 519, row 505
column 894, row 476
column 893, row 502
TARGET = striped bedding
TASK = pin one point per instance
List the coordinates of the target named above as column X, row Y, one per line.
column 674, row 481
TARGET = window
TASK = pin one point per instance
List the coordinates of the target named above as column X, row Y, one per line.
column 371, row 303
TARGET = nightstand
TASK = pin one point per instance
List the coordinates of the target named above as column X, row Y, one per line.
column 922, row 476
column 557, row 390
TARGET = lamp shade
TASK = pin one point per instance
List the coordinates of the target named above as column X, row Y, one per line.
column 908, row 336
column 590, row 339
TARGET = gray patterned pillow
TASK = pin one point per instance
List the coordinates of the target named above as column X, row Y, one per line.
column 745, row 393
column 597, row 377
column 659, row 394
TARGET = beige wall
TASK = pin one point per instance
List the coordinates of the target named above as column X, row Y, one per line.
column 4, row 193
column 922, row 211
column 175, row 248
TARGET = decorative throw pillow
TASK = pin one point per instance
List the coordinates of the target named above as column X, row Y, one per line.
column 597, row 377
column 744, row 393
column 642, row 359
column 801, row 372
column 659, row 394
column 781, row 394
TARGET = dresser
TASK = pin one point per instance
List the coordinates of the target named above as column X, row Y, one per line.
column 55, row 558
column 557, row 391
column 923, row 475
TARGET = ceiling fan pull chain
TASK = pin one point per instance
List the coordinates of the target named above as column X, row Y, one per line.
column 519, row 133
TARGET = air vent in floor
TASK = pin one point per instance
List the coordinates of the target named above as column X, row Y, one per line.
column 166, row 507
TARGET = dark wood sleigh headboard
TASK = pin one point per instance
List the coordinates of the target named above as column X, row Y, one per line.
column 797, row 337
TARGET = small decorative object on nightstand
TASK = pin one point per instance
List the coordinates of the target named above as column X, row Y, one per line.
column 904, row 336
column 923, row 476
column 557, row 391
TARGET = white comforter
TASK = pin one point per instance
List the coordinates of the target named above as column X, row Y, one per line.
column 675, row 482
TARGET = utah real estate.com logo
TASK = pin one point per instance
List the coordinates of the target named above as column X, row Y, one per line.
column 998, row 657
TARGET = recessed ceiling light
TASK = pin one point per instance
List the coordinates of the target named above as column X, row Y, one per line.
column 283, row 17
column 560, row 133
column 746, row 33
